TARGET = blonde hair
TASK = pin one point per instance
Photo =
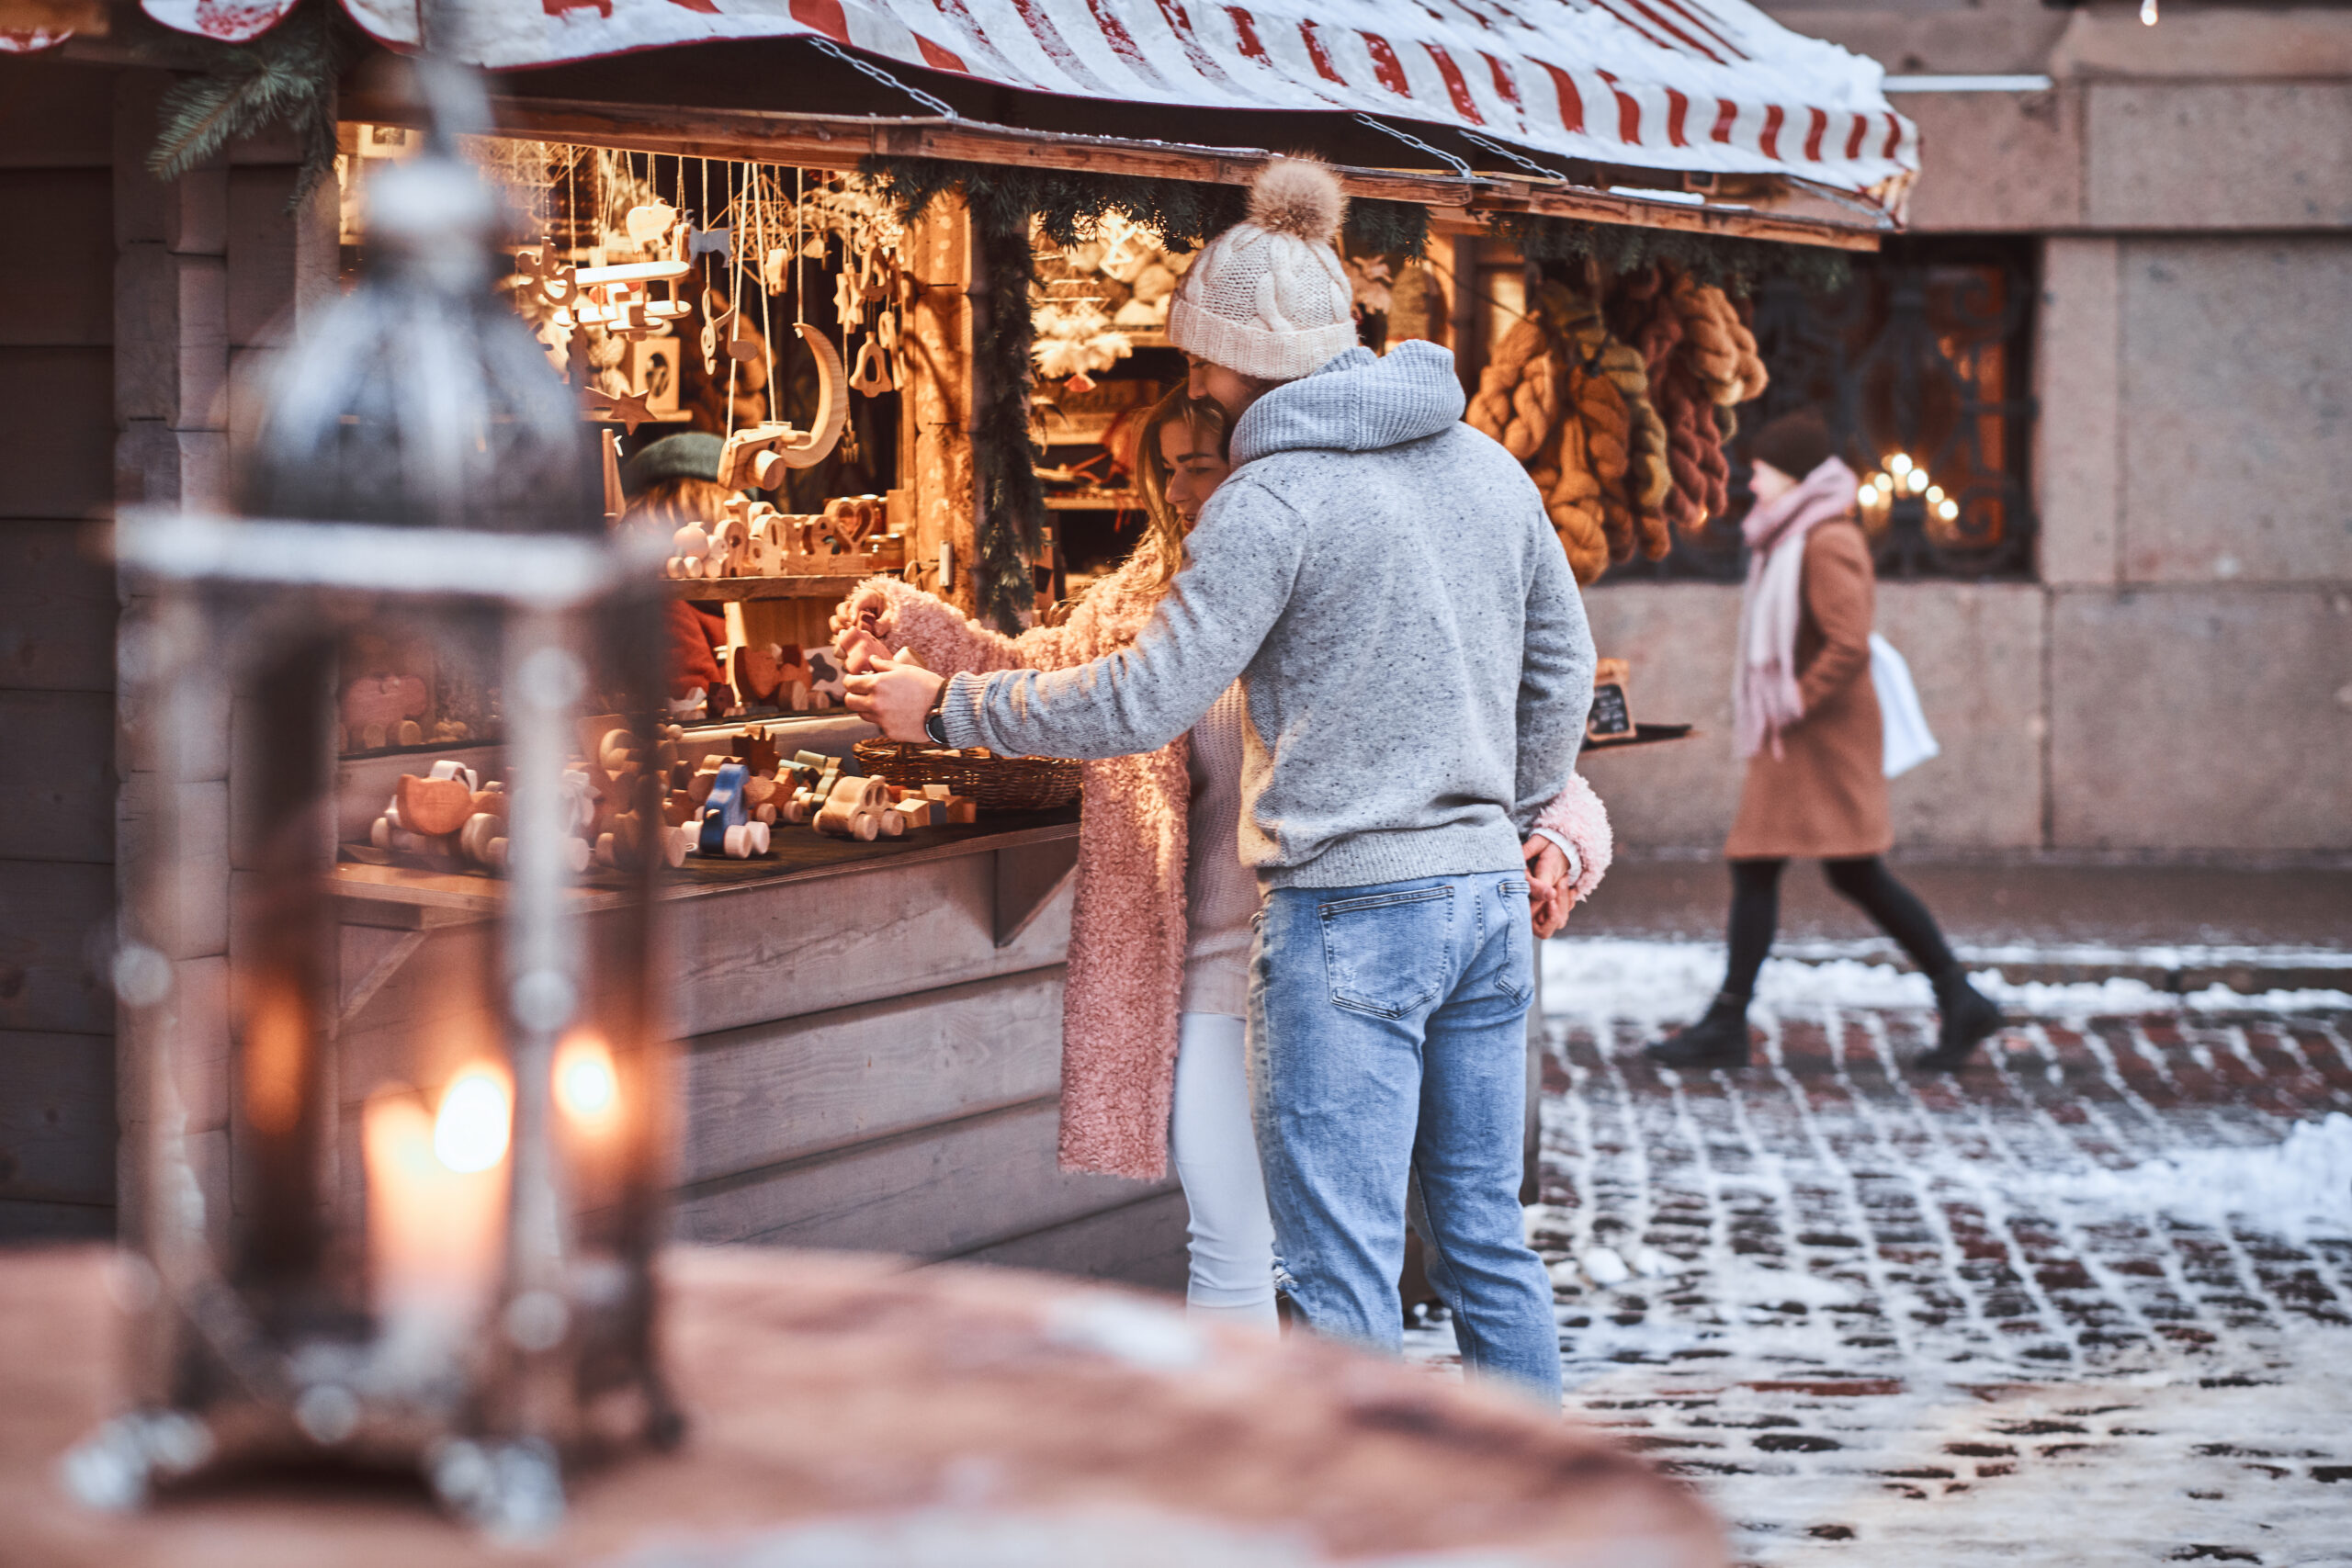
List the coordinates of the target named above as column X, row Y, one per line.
column 674, row 503
column 1164, row 531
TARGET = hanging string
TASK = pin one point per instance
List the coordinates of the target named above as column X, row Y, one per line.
column 767, row 322
column 799, row 295
column 734, row 280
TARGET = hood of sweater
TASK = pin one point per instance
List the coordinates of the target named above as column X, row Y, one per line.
column 1358, row 402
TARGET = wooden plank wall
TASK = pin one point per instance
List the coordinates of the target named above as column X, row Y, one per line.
column 133, row 317
column 57, row 625
column 861, row 1067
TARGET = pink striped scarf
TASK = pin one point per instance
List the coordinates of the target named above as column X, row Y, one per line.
column 1764, row 695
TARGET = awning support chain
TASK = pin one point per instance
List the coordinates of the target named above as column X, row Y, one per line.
column 1460, row 167
column 1530, row 164
column 936, row 105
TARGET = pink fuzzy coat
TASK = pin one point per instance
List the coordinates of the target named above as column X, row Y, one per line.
column 1127, row 930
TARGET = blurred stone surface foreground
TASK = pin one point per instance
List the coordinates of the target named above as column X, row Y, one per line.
column 848, row 1411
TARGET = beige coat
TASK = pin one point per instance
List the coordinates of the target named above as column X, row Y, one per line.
column 1824, row 797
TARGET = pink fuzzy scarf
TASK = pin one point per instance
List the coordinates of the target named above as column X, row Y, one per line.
column 1764, row 695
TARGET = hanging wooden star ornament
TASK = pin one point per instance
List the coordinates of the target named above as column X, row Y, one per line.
column 846, row 297
column 651, row 221
column 627, row 410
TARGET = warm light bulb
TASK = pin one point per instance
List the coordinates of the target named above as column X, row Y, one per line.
column 476, row 1118
column 1917, row 481
column 1867, row 496
column 1935, row 494
column 1948, row 511
column 1882, row 482
column 1899, row 465
column 2147, row 13
column 587, row 1090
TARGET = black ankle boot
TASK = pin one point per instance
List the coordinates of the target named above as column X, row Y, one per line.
column 1969, row 1016
column 1717, row 1040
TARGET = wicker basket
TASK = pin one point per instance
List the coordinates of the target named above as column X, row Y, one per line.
column 999, row 784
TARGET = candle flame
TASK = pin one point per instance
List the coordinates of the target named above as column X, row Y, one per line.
column 476, row 1118
column 587, row 1089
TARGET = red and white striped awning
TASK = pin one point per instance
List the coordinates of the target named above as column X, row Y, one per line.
column 1688, row 85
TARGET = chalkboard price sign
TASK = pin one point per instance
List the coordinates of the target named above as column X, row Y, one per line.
column 1611, row 715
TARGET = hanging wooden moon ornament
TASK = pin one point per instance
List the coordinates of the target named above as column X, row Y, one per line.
column 832, row 404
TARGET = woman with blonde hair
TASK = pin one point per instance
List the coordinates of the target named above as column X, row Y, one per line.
column 1152, row 1033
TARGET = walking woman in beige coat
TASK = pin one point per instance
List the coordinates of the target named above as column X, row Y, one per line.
column 1807, row 721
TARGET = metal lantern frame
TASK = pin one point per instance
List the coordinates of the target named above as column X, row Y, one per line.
column 227, row 1361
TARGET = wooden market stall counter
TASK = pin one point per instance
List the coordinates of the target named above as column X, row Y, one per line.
column 870, row 1037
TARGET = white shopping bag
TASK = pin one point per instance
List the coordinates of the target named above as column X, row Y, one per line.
column 1908, row 740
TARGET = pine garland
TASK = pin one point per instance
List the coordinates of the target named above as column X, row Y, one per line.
column 1069, row 205
column 287, row 75
column 1013, row 504
column 1734, row 265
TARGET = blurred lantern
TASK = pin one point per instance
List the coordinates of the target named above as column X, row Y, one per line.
column 429, row 1240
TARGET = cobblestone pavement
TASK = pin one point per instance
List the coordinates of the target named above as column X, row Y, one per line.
column 2071, row 1308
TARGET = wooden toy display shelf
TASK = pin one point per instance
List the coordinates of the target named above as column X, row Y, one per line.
column 797, row 853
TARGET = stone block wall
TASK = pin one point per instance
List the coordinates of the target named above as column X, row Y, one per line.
column 2178, row 681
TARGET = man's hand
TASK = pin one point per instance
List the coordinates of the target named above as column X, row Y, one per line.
column 894, row 698
column 1550, row 893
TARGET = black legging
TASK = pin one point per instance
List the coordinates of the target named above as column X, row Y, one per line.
column 1755, row 910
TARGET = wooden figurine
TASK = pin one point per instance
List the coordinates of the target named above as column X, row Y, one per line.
column 759, row 456
column 854, row 810
column 726, row 828
column 755, row 750
column 373, row 706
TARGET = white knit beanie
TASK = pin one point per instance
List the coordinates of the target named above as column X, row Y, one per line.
column 1268, row 296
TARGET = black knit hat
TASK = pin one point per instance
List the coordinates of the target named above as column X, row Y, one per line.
column 1796, row 442
column 690, row 454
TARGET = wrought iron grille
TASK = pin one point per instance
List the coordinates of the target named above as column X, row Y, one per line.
column 1922, row 363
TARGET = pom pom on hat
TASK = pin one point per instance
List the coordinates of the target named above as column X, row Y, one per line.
column 1299, row 197
column 1269, row 297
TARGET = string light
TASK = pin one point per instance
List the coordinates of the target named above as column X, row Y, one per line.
column 2147, row 13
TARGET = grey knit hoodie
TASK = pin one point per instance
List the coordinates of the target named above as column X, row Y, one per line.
column 1384, row 580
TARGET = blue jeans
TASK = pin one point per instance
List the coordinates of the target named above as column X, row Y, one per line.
column 1388, row 1039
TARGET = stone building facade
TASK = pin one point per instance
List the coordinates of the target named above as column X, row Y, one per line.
column 2175, row 679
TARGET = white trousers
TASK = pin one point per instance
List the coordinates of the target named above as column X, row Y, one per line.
column 1217, row 1160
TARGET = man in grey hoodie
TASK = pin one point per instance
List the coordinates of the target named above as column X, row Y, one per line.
column 1384, row 582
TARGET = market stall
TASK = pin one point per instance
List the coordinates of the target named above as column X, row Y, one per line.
column 921, row 342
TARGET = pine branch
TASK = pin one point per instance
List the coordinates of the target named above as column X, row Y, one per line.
column 287, row 75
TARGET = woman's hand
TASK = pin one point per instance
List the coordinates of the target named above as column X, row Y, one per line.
column 866, row 610
column 1551, row 893
column 860, row 650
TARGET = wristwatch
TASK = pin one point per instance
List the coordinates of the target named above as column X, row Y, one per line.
column 934, row 722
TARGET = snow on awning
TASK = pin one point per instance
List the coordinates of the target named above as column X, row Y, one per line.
column 1703, row 85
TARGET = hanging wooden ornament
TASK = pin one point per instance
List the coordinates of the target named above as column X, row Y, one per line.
column 759, row 456
column 715, row 328
column 554, row 279
column 719, row 242
column 651, row 221
column 871, row 378
column 846, row 297
column 626, row 409
column 775, row 270
column 621, row 298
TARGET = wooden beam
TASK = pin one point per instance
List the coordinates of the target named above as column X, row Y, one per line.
column 840, row 141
